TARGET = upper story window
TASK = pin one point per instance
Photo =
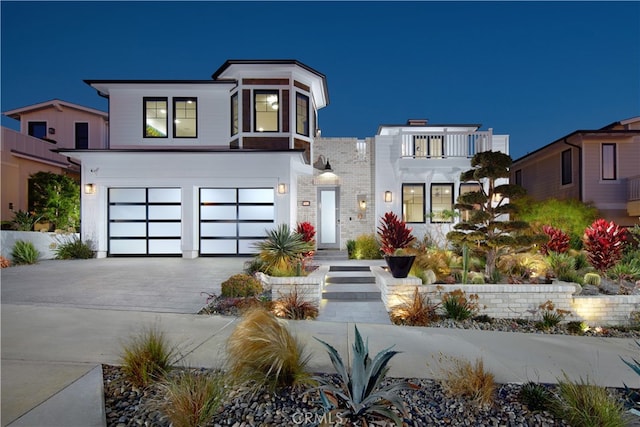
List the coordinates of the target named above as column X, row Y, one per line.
column 567, row 173
column 361, row 150
column 413, row 203
column 266, row 104
column 431, row 146
column 185, row 117
column 441, row 203
column 82, row 135
column 609, row 162
column 155, row 117
column 302, row 114
column 519, row 177
column 37, row 129
column 234, row 114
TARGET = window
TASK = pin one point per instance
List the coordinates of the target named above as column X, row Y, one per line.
column 155, row 117
column 609, row 162
column 441, row 202
column 185, row 115
column 266, row 104
column 567, row 174
column 519, row 177
column 428, row 146
column 361, row 150
column 234, row 114
column 468, row 188
column 82, row 136
column 413, row 203
column 302, row 114
column 37, row 129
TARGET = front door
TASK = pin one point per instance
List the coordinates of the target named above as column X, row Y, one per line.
column 328, row 218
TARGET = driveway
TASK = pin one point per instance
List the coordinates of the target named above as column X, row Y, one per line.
column 168, row 285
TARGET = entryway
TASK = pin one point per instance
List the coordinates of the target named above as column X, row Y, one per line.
column 328, row 233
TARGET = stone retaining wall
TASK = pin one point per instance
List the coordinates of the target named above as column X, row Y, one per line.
column 517, row 301
column 308, row 287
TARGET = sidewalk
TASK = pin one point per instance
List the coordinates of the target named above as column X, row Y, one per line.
column 62, row 319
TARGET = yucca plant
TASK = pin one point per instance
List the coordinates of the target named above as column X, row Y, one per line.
column 361, row 395
column 192, row 398
column 24, row 253
column 282, row 251
column 457, row 306
column 604, row 243
column 263, row 353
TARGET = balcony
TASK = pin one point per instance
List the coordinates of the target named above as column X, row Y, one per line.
column 633, row 195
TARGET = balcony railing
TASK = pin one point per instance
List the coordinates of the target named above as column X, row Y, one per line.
column 444, row 144
column 633, row 188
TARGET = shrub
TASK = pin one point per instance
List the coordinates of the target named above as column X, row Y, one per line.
column 462, row 379
column 577, row 328
column 457, row 306
column 24, row 221
column 584, row 404
column 436, row 260
column 24, row 253
column 535, row 396
column 393, row 233
column 293, row 306
column 4, row 262
column 360, row 395
column 593, row 279
column 241, row 286
column 263, row 353
column 192, row 398
column 147, row 356
column 622, row 271
column 74, row 249
column 551, row 316
column 417, row 311
column 367, row 247
column 282, row 251
column 604, row 243
column 351, row 248
column 558, row 240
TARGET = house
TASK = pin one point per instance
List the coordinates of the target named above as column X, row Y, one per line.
column 600, row 166
column 54, row 124
column 204, row 167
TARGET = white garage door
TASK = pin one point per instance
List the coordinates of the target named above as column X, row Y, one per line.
column 145, row 221
column 232, row 220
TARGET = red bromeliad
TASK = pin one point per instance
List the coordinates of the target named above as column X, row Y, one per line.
column 604, row 241
column 558, row 240
column 394, row 234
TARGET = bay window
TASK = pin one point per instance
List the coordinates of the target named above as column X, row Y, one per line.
column 302, row 114
column 266, row 104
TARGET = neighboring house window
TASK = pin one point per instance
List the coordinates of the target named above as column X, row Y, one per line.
column 413, row 203
column 185, row 117
column 609, row 161
column 566, row 167
column 302, row 114
column 441, row 203
column 155, row 117
column 266, row 104
column 519, row 177
column 82, row 135
column 361, row 150
column 234, row 114
column 468, row 188
column 37, row 129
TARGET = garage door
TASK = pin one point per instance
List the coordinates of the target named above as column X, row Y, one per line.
column 145, row 221
column 232, row 220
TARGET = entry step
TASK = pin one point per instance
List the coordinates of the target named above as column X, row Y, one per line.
column 358, row 268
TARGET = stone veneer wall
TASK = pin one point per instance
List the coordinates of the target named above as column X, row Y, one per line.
column 309, row 287
column 355, row 174
column 517, row 301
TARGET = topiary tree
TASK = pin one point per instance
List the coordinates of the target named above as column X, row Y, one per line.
column 56, row 198
column 488, row 230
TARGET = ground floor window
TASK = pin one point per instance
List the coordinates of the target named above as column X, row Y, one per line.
column 441, row 203
column 413, row 203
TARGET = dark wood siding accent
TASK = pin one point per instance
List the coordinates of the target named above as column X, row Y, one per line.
column 301, row 86
column 265, row 143
column 298, row 143
column 279, row 82
column 246, row 110
column 285, row 110
column 235, row 144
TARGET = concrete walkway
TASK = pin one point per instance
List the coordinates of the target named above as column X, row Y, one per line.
column 54, row 338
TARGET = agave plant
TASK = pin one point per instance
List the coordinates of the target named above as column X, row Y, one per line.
column 282, row 250
column 360, row 394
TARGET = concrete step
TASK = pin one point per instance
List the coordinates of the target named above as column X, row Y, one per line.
column 350, row 268
column 351, row 292
column 330, row 255
column 349, row 279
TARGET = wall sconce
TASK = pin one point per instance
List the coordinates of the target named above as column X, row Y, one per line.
column 52, row 131
column 327, row 167
column 89, row 189
column 362, row 202
column 388, row 196
column 282, row 188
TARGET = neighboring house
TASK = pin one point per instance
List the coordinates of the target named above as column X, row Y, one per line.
column 44, row 127
column 599, row 166
column 205, row 167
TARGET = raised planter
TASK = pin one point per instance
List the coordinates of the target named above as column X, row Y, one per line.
column 44, row 242
column 308, row 287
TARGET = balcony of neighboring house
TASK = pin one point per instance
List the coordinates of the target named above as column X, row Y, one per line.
column 27, row 147
column 442, row 148
column 633, row 196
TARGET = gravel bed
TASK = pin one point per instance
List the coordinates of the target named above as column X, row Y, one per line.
column 426, row 405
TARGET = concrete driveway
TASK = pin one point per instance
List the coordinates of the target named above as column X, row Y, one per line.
column 168, row 285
